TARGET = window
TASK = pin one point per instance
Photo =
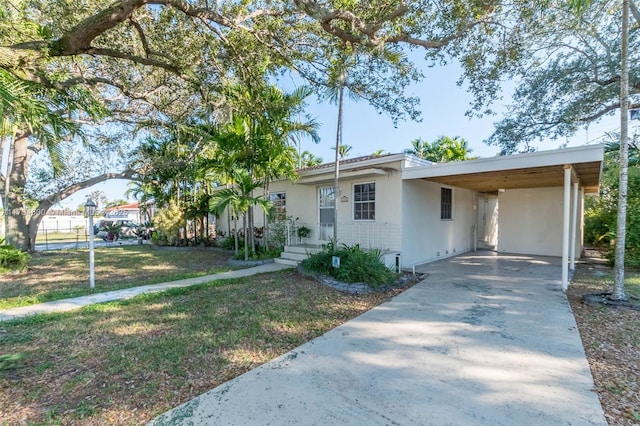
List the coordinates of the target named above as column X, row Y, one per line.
column 364, row 201
column 279, row 200
column 445, row 203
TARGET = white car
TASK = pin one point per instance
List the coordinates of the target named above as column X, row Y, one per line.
column 127, row 227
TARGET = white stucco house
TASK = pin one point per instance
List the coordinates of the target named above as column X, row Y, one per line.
column 417, row 211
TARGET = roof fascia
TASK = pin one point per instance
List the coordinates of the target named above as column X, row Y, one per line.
column 582, row 154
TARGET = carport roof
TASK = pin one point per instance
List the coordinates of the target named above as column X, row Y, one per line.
column 531, row 170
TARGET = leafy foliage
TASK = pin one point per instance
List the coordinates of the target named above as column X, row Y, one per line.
column 13, row 259
column 356, row 265
column 568, row 75
column 308, row 159
column 443, row 150
column 167, row 223
column 260, row 253
column 601, row 212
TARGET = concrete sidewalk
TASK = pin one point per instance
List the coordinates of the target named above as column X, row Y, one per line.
column 127, row 293
column 483, row 340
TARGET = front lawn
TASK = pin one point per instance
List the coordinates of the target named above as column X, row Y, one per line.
column 129, row 361
column 65, row 273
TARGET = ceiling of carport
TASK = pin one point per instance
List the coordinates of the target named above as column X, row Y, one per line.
column 532, row 177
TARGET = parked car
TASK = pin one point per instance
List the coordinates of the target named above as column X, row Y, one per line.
column 112, row 229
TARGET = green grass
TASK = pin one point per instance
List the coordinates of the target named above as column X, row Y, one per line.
column 632, row 284
column 128, row 361
column 605, row 280
column 61, row 237
column 65, row 273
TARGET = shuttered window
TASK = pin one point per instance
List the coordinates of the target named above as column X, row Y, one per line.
column 446, row 203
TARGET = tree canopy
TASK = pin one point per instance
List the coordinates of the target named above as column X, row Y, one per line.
column 131, row 66
column 128, row 66
column 569, row 76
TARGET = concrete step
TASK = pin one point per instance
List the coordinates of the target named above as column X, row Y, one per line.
column 303, row 249
column 282, row 261
column 293, row 256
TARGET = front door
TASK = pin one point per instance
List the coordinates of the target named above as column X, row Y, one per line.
column 487, row 221
column 326, row 214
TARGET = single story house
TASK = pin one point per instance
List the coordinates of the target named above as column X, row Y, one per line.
column 129, row 211
column 417, row 211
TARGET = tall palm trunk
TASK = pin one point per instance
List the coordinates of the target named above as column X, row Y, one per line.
column 618, row 291
column 336, row 179
column 246, row 243
column 251, row 229
column 235, row 231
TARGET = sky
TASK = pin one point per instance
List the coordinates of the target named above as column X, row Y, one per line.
column 443, row 104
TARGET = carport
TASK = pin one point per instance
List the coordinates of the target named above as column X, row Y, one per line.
column 575, row 170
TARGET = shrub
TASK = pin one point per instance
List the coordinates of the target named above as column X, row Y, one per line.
column 167, row 223
column 229, row 243
column 601, row 213
column 261, row 253
column 278, row 233
column 356, row 265
column 12, row 259
column 303, row 232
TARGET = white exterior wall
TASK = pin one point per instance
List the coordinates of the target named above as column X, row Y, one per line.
column 425, row 237
column 302, row 204
column 382, row 233
column 530, row 221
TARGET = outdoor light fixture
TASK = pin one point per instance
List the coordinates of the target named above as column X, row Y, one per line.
column 90, row 208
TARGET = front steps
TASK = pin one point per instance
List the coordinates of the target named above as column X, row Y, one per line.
column 293, row 255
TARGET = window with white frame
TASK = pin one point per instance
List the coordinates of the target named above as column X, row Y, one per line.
column 446, row 203
column 279, row 200
column 364, row 201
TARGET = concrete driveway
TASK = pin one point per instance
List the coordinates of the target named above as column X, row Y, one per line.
column 485, row 339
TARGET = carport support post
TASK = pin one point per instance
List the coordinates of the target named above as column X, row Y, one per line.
column 565, row 227
column 574, row 226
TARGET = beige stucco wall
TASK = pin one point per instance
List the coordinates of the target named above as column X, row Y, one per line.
column 302, row 204
column 425, row 236
column 530, row 221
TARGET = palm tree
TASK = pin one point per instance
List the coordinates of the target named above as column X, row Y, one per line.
column 307, row 159
column 443, row 150
column 338, row 82
column 419, row 148
column 266, row 124
column 239, row 199
column 343, row 151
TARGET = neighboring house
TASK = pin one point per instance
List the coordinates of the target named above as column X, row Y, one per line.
column 126, row 211
column 418, row 212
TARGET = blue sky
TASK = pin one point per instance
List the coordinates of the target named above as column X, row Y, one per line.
column 443, row 104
